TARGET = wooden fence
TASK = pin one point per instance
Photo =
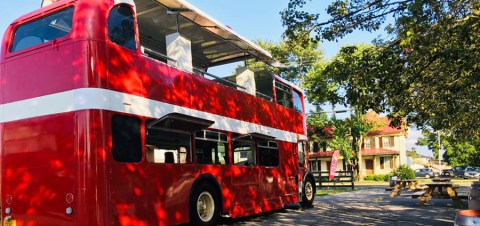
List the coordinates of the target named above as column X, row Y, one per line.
column 341, row 179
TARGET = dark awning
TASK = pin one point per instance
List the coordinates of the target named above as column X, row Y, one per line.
column 180, row 122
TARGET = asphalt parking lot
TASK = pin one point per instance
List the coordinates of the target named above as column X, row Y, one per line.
column 370, row 206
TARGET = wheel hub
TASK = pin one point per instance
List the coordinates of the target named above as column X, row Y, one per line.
column 205, row 206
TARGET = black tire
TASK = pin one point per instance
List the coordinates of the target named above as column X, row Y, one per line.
column 308, row 192
column 205, row 197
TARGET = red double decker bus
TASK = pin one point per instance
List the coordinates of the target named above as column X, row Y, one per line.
column 108, row 116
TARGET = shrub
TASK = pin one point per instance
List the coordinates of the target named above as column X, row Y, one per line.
column 379, row 177
column 405, row 172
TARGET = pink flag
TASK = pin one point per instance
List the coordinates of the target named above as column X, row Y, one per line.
column 333, row 164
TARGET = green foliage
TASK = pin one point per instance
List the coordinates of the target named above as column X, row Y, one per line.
column 317, row 122
column 379, row 177
column 426, row 71
column 405, row 172
column 462, row 153
column 457, row 152
column 298, row 59
column 359, row 127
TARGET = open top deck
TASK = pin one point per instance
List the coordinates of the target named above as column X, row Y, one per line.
column 212, row 42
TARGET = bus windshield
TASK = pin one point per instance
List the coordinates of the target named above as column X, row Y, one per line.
column 43, row 30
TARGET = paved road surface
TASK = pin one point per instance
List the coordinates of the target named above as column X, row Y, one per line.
column 363, row 207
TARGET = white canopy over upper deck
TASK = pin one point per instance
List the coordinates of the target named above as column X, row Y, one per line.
column 212, row 42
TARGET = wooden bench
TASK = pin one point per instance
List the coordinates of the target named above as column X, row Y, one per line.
column 418, row 194
column 342, row 179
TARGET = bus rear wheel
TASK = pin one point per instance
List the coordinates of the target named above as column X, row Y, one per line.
column 204, row 206
column 308, row 192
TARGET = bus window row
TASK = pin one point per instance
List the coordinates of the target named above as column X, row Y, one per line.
column 179, row 147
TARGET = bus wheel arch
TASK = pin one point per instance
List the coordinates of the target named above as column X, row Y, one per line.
column 205, row 204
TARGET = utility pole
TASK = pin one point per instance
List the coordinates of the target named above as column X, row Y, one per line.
column 439, row 150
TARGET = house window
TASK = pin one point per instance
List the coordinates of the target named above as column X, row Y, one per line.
column 385, row 162
column 392, row 141
column 368, row 143
column 315, row 147
column 386, row 142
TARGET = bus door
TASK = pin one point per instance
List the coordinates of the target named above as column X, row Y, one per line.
column 270, row 178
column 245, row 176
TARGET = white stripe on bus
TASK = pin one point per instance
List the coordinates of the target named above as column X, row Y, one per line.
column 102, row 99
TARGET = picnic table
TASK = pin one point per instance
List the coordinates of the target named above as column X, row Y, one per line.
column 439, row 186
column 404, row 185
column 441, row 179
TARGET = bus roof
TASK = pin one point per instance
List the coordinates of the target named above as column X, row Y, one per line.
column 212, row 42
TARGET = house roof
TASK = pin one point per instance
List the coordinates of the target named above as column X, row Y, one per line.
column 365, row 152
column 379, row 151
column 387, row 128
column 321, row 154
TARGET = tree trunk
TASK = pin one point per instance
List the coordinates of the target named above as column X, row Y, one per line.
column 360, row 160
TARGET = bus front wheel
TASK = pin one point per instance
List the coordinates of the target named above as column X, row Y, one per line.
column 308, row 192
column 204, row 207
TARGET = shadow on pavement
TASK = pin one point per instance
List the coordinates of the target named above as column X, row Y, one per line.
column 370, row 206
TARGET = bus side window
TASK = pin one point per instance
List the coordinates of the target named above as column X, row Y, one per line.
column 164, row 146
column 126, row 139
column 244, row 152
column 283, row 94
column 268, row 153
column 301, row 153
column 121, row 27
column 45, row 29
column 211, row 147
column 297, row 101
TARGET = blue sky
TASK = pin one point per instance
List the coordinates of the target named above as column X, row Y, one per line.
column 253, row 19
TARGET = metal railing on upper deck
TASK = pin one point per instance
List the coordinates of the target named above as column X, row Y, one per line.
column 148, row 52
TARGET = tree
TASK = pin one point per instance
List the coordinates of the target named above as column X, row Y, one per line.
column 426, row 70
column 462, row 153
column 341, row 140
column 456, row 152
column 359, row 127
column 298, row 59
column 347, row 135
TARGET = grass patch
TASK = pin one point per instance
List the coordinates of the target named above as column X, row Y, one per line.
column 371, row 182
column 332, row 191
